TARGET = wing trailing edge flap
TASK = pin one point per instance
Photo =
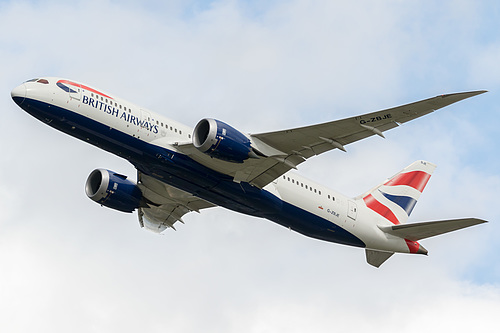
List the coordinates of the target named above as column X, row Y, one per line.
column 165, row 204
column 421, row 230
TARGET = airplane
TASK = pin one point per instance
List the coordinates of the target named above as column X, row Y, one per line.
column 181, row 170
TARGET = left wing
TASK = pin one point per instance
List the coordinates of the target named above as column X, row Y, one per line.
column 165, row 204
column 283, row 150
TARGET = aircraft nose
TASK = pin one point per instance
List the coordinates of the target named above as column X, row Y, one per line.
column 18, row 94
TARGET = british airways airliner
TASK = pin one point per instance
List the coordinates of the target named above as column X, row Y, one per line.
column 180, row 170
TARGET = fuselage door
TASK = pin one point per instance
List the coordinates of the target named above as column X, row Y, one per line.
column 75, row 92
column 352, row 210
column 73, row 89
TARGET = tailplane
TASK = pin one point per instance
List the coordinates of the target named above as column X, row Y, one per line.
column 412, row 232
column 421, row 230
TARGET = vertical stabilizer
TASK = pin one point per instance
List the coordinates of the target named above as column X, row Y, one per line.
column 395, row 198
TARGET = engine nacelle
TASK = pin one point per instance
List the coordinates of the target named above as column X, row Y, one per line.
column 113, row 190
column 219, row 140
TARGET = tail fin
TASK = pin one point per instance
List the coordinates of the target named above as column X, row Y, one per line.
column 395, row 198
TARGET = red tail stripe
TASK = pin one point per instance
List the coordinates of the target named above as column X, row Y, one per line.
column 412, row 246
column 379, row 208
column 84, row 87
column 415, row 179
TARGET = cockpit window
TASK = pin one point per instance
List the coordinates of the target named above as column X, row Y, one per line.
column 44, row 81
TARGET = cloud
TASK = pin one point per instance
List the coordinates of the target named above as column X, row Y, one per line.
column 69, row 264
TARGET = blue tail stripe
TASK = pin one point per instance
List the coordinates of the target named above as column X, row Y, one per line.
column 407, row 203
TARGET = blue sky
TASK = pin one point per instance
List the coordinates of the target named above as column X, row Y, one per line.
column 68, row 264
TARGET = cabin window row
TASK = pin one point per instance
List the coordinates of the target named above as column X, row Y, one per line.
column 307, row 187
column 105, row 100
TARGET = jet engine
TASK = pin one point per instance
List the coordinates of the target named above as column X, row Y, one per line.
column 219, row 140
column 113, row 190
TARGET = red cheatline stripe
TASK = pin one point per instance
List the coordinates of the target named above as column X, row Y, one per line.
column 84, row 87
column 379, row 208
column 412, row 246
column 415, row 179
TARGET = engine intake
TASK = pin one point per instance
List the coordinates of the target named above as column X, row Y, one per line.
column 113, row 190
column 219, row 140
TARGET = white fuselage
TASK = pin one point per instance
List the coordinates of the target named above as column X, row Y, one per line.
column 297, row 193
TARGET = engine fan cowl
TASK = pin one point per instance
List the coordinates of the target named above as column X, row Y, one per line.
column 113, row 190
column 220, row 140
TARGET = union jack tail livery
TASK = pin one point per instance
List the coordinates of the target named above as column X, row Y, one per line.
column 395, row 199
column 392, row 202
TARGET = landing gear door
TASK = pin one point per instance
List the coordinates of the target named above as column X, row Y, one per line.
column 352, row 210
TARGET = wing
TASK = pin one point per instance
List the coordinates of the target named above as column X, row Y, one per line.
column 284, row 150
column 165, row 204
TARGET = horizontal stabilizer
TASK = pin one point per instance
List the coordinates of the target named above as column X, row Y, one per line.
column 421, row 230
column 377, row 258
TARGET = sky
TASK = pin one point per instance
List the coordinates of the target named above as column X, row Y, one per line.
column 67, row 264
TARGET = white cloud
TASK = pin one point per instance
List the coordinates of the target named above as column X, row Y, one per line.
column 69, row 264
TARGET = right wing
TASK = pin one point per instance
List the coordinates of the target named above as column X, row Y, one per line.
column 283, row 150
column 165, row 204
